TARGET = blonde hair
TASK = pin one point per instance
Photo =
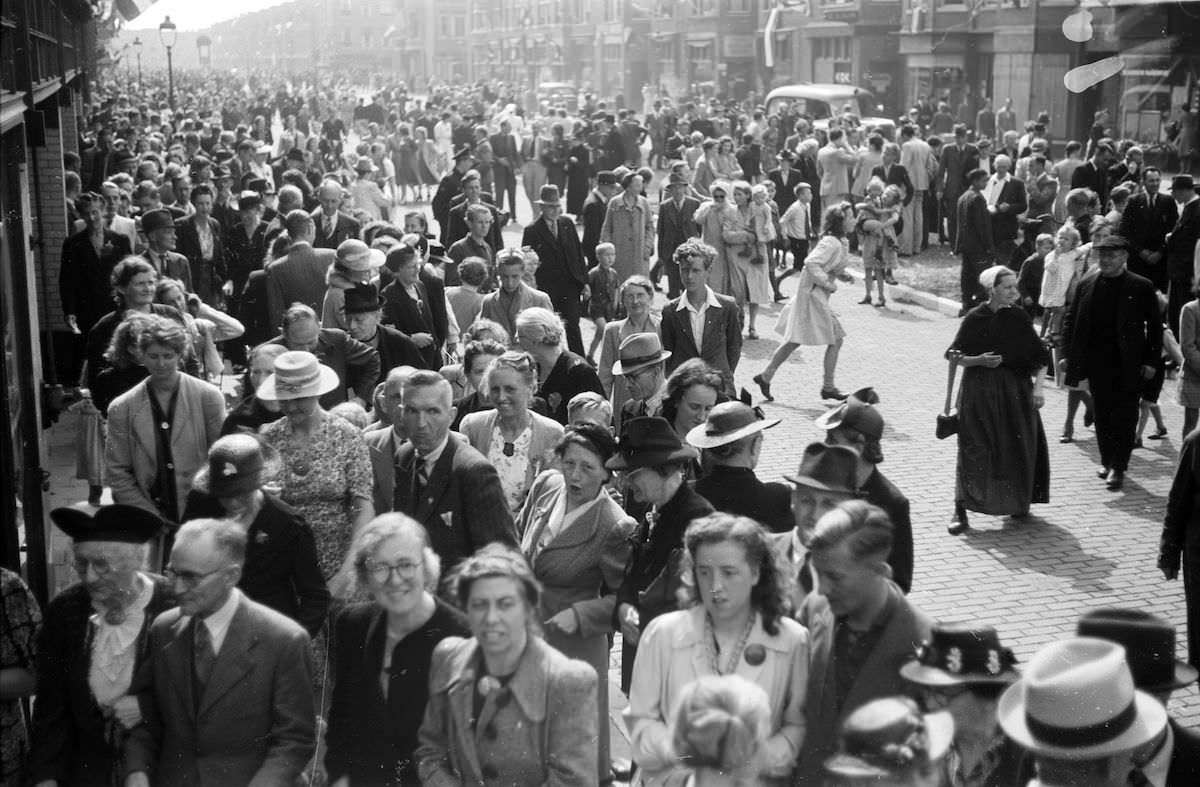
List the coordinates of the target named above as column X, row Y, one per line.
column 722, row 723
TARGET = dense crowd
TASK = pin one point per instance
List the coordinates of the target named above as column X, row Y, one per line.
column 402, row 553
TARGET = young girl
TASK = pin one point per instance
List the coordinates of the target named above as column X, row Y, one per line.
column 876, row 228
column 1064, row 265
column 602, row 303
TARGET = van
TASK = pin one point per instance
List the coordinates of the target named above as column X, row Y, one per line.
column 822, row 101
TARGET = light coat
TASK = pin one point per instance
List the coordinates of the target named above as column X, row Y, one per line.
column 630, row 228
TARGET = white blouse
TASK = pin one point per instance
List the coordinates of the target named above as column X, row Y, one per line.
column 114, row 648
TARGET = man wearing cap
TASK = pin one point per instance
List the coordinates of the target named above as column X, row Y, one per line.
column 513, row 296
column 1076, row 710
column 159, row 227
column 355, row 363
column 1148, row 217
column 595, row 207
column 449, row 188
column 331, row 225
column 201, row 241
column 1173, row 757
column 299, row 276
column 1093, row 173
column 1181, row 246
column 676, row 223
column 642, row 362
column 973, row 239
column 562, row 274
column 701, row 323
column 228, row 691
column 1112, row 337
column 363, row 310
column 733, row 437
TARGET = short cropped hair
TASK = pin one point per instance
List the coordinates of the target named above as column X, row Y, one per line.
column 864, row 528
column 228, row 536
column 379, row 530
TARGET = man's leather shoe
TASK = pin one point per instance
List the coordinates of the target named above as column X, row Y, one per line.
column 958, row 525
column 1102, row 473
column 1115, row 481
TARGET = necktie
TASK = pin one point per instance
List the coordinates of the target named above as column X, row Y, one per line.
column 805, row 577
column 1138, row 779
column 422, row 474
column 329, row 226
column 203, row 656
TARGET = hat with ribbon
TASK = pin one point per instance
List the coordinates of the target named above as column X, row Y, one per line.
column 639, row 351
column 1184, row 181
column 157, row 219
column 237, row 464
column 118, row 523
column 248, row 200
column 297, row 375
column 729, row 422
column 1149, row 644
column 890, row 737
column 648, row 441
column 833, row 468
column 1077, row 701
column 354, row 255
column 362, row 298
column 548, row 196
column 857, row 412
column 958, row 654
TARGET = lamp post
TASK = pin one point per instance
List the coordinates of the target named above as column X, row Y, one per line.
column 204, row 51
column 137, row 48
column 166, row 34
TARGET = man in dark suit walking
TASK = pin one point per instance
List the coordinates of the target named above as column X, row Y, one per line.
column 227, row 695
column 1112, row 337
column 1006, row 201
column 786, row 178
column 331, row 226
column 1147, row 219
column 444, row 483
column 1181, row 246
column 974, row 238
column 449, row 188
column 958, row 159
column 504, row 167
column 562, row 274
column 458, row 220
column 161, row 239
column 1093, row 173
column 676, row 223
column 298, row 277
column 595, row 207
column 701, row 323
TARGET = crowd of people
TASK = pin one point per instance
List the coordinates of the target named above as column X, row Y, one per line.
column 404, row 554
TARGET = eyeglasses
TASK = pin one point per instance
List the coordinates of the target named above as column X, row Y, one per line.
column 189, row 578
column 101, row 567
column 382, row 572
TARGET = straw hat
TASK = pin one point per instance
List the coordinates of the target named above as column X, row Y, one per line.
column 354, row 255
column 960, row 654
column 297, row 375
column 727, row 423
column 639, row 351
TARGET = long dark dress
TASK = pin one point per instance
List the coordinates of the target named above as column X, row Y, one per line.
column 578, row 174
column 1003, row 462
column 1181, row 536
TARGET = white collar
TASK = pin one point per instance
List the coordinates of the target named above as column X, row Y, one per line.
column 218, row 622
column 1157, row 769
column 432, row 457
column 710, row 300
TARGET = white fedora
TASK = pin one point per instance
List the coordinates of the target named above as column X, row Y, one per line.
column 297, row 375
column 1076, row 701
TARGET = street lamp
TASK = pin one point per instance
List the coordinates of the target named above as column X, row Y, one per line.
column 204, row 50
column 166, row 34
column 137, row 48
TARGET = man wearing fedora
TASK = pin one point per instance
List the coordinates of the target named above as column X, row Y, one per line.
column 1172, row 758
column 563, row 272
column 701, row 323
column 355, row 363
column 449, row 188
column 676, row 223
column 1181, row 246
column 363, row 310
column 159, row 227
column 299, row 276
column 513, row 296
column 356, row 263
column 641, row 360
column 330, row 225
column 733, row 436
column 595, row 208
column 1077, row 711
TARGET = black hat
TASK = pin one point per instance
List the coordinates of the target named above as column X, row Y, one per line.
column 436, row 249
column 249, row 199
column 362, row 298
column 157, row 219
column 295, row 153
column 463, row 152
column 117, row 523
column 1182, row 182
column 649, row 442
column 1149, row 644
column 959, row 654
column 606, row 177
column 786, row 155
column 221, row 172
column 258, row 184
column 1111, row 243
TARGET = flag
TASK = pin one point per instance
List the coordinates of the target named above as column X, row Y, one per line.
column 132, row 9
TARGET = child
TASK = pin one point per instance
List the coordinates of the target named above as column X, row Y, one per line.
column 893, row 201
column 797, row 228
column 1029, row 280
column 602, row 303
column 1063, row 266
column 1153, row 387
column 877, row 235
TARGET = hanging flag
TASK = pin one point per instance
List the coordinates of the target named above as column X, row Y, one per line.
column 772, row 24
column 132, row 9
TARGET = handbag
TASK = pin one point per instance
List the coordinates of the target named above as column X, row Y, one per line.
column 947, row 424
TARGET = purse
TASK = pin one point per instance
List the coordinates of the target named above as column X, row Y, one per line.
column 947, row 424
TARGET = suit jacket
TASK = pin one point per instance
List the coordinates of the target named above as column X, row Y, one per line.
column 879, row 491
column 974, row 224
column 1185, row 756
column 1139, row 326
column 563, row 272
column 449, row 187
column 895, row 175
column 907, row 628
column 344, row 228
column 382, row 443
column 83, row 278
column 457, row 229
column 298, row 277
column 254, row 311
column 1181, row 244
column 1145, row 223
column 1005, row 225
column 722, row 340
column 462, row 506
column 1088, row 176
column 411, row 316
column 595, row 208
column 914, row 156
column 207, row 275
column 396, row 349
column 737, row 490
column 492, row 308
column 956, row 164
column 676, row 224
column 174, row 265
column 785, row 187
column 505, row 154
column 255, row 724
column 357, row 365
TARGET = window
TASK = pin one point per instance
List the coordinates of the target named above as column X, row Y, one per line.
column 739, row 6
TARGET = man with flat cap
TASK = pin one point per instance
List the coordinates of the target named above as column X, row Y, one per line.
column 159, row 227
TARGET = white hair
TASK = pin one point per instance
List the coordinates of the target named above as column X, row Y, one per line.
column 548, row 321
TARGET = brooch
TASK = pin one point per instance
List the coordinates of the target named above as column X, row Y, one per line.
column 487, row 684
column 755, row 654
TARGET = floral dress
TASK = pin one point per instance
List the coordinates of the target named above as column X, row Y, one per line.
column 511, row 461
column 21, row 620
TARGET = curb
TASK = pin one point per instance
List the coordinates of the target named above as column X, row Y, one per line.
column 904, row 293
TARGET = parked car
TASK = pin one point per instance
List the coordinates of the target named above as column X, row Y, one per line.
column 821, row 101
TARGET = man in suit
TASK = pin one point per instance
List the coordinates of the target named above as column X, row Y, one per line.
column 701, row 323
column 641, row 361
column 84, row 276
column 1112, row 337
column 514, row 295
column 444, row 483
column 958, row 159
column 364, row 310
column 356, row 363
column 159, row 227
column 1173, row 756
column 974, row 240
column 916, row 157
column 449, row 188
column 892, row 172
column 1181, row 246
column 385, row 441
column 1147, row 219
column 595, row 208
column 1093, row 173
column 786, row 178
column 835, row 162
column 408, row 305
column 1006, row 201
column 562, row 274
column 504, row 167
column 861, row 625
column 331, row 226
column 201, row 240
column 458, row 219
column 677, row 223
column 298, row 277
column 227, row 694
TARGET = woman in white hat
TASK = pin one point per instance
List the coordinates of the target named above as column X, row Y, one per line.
column 365, row 194
column 356, row 263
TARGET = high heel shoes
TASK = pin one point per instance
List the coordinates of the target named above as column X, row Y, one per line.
column 764, row 387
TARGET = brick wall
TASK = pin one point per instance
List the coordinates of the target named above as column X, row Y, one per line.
column 50, row 207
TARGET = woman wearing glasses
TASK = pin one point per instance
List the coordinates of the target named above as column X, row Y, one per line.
column 382, row 651
column 93, row 640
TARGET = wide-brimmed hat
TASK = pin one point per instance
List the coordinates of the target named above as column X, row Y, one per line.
column 237, row 464
column 548, row 196
column 297, row 375
column 639, row 351
column 362, row 298
column 728, row 422
column 364, row 164
column 958, row 654
column 157, row 219
column 677, row 179
column 354, row 255
column 833, row 468
column 264, row 148
column 890, row 736
column 857, row 413
column 118, row 523
column 1182, row 182
column 786, row 155
column 648, row 441
column 1077, row 701
column 1149, row 644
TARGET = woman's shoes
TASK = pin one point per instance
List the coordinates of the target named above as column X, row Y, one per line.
column 1067, row 437
column 752, row 334
column 890, row 279
column 865, row 301
column 1159, row 434
column 764, row 387
column 881, row 304
column 833, row 393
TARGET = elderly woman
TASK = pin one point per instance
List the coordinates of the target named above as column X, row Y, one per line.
column 503, row 705
column 736, row 623
column 206, row 327
column 382, row 655
column 1003, row 463
column 252, row 413
column 653, row 464
column 516, row 441
column 561, row 373
column 280, row 568
column 747, row 255
column 94, row 639
column 629, row 226
column 637, row 295
column 326, row 473
column 810, row 320
column 576, row 540
column 159, row 431
column 720, row 729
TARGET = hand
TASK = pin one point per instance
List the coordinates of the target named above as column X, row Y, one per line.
column 587, row 292
column 137, row 779
column 1039, row 399
column 227, row 288
column 73, row 322
column 628, row 615
column 1002, row 207
column 1170, row 574
column 990, row 360
column 1147, row 372
column 422, row 340
column 566, row 621
column 126, row 711
column 846, row 277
